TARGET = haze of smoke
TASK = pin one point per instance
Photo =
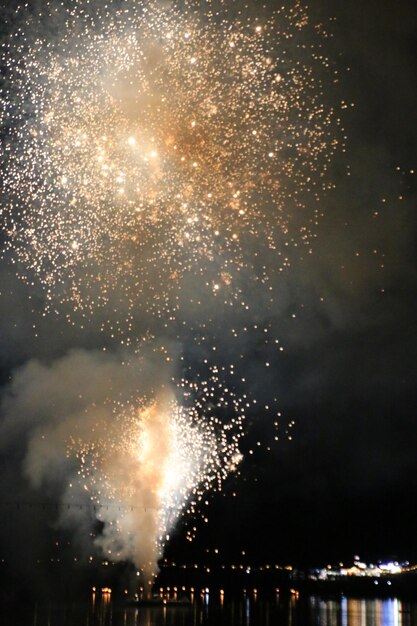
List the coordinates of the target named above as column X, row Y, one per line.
column 49, row 414
column 114, row 439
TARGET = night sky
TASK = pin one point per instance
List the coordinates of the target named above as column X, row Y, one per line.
column 342, row 478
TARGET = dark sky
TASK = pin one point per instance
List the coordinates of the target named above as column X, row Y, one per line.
column 346, row 482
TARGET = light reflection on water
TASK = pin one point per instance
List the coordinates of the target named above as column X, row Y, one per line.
column 361, row 612
column 248, row 611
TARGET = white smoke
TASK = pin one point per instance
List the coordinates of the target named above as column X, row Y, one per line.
column 107, row 433
column 66, row 410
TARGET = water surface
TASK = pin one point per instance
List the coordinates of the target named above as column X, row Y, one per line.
column 208, row 611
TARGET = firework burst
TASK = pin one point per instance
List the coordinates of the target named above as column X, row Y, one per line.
column 151, row 145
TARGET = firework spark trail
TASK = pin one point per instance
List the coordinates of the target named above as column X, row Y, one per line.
column 154, row 159
column 170, row 457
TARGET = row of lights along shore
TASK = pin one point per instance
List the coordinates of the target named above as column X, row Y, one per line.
column 173, row 592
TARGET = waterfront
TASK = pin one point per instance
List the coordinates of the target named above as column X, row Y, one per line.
column 206, row 611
